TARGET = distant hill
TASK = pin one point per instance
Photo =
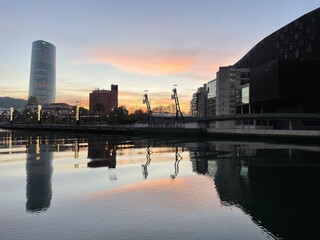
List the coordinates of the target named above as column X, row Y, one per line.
column 7, row 102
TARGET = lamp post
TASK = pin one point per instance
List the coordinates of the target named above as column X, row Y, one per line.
column 39, row 113
column 78, row 113
column 11, row 115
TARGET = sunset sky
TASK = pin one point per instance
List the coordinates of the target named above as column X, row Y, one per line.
column 137, row 44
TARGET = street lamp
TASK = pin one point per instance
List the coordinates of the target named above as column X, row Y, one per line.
column 78, row 113
column 11, row 115
column 39, row 113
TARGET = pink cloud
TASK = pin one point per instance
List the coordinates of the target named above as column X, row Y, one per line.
column 197, row 64
column 146, row 61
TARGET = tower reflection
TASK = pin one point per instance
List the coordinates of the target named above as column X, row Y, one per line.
column 39, row 171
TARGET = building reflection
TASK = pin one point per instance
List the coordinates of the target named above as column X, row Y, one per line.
column 101, row 152
column 278, row 188
column 39, row 171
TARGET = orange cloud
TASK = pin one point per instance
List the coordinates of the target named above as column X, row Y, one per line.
column 146, row 61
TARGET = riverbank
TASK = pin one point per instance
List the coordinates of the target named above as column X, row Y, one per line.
column 138, row 129
column 179, row 130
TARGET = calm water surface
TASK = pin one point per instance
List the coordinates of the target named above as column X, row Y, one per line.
column 67, row 186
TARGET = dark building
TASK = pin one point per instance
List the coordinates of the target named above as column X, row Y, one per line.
column 284, row 69
column 278, row 75
column 299, row 39
column 42, row 86
column 103, row 101
column 285, row 86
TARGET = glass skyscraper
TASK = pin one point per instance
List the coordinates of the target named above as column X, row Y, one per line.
column 42, row 87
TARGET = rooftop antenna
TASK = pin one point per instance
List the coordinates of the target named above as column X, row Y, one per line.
column 176, row 100
column 149, row 112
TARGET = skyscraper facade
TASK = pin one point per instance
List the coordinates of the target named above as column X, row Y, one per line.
column 42, row 86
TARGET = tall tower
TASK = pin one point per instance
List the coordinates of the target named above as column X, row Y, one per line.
column 42, row 86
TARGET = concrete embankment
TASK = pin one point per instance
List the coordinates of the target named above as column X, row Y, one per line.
column 266, row 132
column 107, row 129
column 183, row 130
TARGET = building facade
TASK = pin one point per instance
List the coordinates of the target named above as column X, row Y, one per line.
column 103, row 101
column 199, row 102
column 298, row 40
column 283, row 68
column 278, row 75
column 212, row 96
column 42, row 85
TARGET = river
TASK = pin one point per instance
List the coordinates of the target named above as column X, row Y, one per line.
column 83, row 186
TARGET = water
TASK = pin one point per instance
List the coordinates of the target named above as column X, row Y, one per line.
column 71, row 186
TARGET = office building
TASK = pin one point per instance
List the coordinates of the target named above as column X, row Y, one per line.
column 42, row 85
column 199, row 102
column 103, row 101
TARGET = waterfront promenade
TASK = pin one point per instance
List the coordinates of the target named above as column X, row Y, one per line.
column 182, row 129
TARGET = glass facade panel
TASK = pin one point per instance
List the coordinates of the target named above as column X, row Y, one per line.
column 245, row 95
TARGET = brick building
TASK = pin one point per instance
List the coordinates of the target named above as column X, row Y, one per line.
column 103, row 100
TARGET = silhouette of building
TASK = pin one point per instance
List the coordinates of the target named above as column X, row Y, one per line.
column 103, row 101
column 42, row 86
column 278, row 75
column 283, row 68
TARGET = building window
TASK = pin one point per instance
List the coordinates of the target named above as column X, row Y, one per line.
column 309, row 48
column 245, row 95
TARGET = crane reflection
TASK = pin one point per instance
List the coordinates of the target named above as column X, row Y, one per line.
column 176, row 163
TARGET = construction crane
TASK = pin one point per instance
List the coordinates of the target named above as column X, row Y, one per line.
column 176, row 100
column 149, row 112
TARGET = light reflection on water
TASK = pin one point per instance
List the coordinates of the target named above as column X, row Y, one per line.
column 107, row 187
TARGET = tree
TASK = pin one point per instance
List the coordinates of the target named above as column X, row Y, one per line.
column 118, row 115
column 138, row 115
column 165, row 109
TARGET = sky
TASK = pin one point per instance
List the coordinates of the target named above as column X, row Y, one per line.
column 137, row 44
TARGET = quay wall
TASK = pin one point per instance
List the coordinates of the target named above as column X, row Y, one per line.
column 164, row 130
